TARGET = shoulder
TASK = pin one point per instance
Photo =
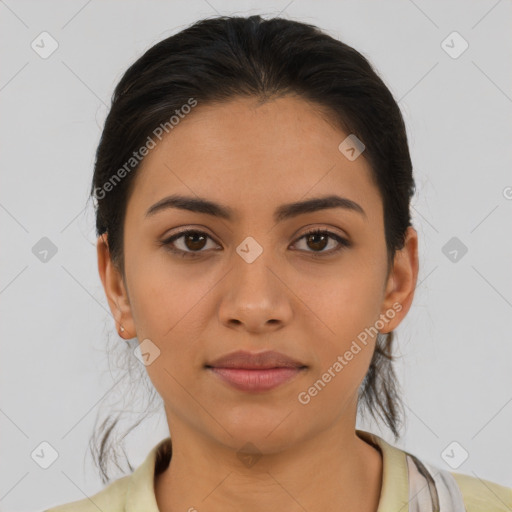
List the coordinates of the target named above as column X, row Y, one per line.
column 482, row 495
column 458, row 491
column 409, row 481
column 130, row 493
column 111, row 498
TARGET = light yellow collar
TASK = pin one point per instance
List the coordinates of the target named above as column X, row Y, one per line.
column 394, row 494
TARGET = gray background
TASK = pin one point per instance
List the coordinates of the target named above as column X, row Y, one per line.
column 455, row 343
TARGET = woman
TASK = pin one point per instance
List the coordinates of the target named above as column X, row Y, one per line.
column 252, row 189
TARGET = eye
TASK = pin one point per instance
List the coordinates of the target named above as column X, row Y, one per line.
column 193, row 241
column 319, row 239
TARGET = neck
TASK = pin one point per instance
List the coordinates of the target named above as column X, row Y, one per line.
column 335, row 470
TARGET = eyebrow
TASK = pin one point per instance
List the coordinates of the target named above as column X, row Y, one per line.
column 283, row 212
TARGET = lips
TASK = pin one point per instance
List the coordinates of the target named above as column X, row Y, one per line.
column 255, row 372
column 255, row 361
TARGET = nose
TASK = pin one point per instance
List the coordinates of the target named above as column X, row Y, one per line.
column 255, row 297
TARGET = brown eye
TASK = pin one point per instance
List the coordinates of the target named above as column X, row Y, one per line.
column 194, row 241
column 190, row 243
column 317, row 240
column 187, row 243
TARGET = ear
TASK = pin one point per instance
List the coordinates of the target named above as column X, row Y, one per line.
column 401, row 283
column 115, row 290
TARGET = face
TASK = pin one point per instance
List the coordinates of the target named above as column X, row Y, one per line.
column 254, row 280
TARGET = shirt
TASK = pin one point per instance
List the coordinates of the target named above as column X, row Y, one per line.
column 408, row 485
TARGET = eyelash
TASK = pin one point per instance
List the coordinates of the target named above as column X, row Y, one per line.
column 344, row 243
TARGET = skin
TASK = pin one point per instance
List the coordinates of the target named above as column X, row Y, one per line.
column 253, row 158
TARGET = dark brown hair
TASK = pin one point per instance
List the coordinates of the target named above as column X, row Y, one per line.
column 225, row 57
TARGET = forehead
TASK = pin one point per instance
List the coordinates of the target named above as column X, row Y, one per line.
column 249, row 154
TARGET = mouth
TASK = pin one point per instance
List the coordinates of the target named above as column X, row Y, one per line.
column 255, row 372
column 256, row 380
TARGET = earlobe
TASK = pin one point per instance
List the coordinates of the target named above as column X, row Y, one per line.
column 115, row 289
column 401, row 283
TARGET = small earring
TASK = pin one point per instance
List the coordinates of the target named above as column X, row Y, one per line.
column 122, row 328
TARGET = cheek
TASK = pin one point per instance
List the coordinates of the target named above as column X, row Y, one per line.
column 165, row 297
column 169, row 311
column 172, row 309
column 348, row 307
column 347, row 303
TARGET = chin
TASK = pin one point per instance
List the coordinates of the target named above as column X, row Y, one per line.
column 269, row 430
